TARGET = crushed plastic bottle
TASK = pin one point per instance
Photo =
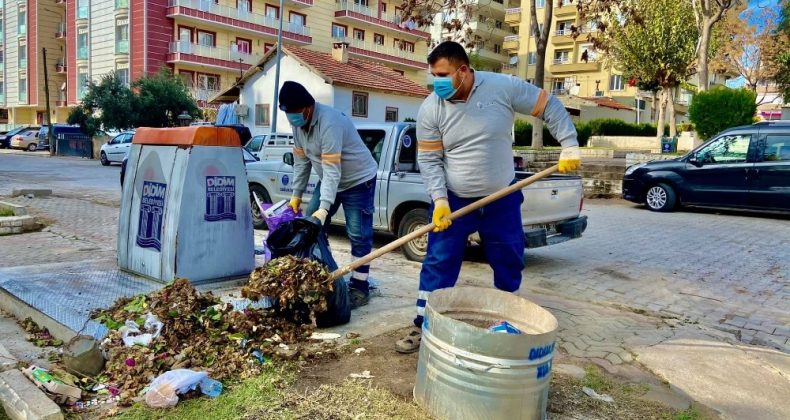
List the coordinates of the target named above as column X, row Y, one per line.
column 504, row 327
column 211, row 387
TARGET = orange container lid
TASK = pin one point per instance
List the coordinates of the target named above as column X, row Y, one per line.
column 188, row 136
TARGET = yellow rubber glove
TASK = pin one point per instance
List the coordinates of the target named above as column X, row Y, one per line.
column 321, row 214
column 441, row 214
column 295, row 203
column 570, row 159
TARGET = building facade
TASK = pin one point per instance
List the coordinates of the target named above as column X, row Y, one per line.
column 209, row 43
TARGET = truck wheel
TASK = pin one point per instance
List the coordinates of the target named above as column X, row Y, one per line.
column 257, row 217
column 414, row 219
column 660, row 197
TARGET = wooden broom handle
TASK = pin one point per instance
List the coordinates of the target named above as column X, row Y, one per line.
column 429, row 227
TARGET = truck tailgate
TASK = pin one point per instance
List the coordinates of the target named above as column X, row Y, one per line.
column 551, row 199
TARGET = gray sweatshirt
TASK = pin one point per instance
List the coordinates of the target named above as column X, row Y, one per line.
column 331, row 145
column 467, row 147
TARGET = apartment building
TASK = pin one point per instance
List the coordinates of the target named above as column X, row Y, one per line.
column 210, row 43
column 26, row 28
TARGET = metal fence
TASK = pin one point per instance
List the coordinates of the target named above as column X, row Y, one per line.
column 69, row 144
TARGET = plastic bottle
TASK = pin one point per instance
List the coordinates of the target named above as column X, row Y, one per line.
column 210, row 387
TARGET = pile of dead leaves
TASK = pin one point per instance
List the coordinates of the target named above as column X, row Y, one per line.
column 39, row 336
column 298, row 287
column 202, row 333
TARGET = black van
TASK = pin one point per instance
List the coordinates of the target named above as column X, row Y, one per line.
column 744, row 167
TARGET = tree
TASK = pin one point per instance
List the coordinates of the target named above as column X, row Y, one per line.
column 161, row 98
column 541, row 41
column 750, row 50
column 721, row 108
column 782, row 78
column 657, row 48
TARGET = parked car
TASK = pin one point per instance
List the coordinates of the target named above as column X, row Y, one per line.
column 550, row 213
column 744, row 167
column 270, row 146
column 115, row 149
column 26, row 139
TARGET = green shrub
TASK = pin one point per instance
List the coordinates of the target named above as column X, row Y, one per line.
column 685, row 127
column 721, row 108
column 523, row 135
column 585, row 130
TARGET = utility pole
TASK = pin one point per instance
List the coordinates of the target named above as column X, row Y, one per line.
column 49, row 112
column 275, row 105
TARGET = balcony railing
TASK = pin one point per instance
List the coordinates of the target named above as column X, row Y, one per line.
column 563, row 32
column 240, row 14
column 122, row 46
column 377, row 48
column 561, row 60
column 513, row 16
column 61, row 32
column 230, row 54
column 390, row 18
column 202, row 94
column 559, row 92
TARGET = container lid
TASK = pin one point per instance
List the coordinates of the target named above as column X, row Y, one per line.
column 188, row 136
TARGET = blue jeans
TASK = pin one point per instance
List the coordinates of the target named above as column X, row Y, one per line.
column 502, row 236
column 358, row 206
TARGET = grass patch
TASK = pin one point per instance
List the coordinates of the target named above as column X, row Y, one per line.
column 596, row 380
column 688, row 414
column 635, row 390
column 5, row 211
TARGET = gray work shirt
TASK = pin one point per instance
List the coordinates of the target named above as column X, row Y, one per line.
column 467, row 146
column 331, row 145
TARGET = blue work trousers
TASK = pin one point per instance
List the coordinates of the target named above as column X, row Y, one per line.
column 358, row 207
column 502, row 236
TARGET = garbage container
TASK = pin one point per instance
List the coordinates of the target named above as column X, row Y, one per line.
column 185, row 209
column 669, row 144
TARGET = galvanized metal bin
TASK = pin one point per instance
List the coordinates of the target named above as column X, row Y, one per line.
column 468, row 372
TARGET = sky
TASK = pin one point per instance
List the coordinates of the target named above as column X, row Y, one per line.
column 753, row 4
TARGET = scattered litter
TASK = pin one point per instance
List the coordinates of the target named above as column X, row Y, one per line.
column 364, row 375
column 359, row 350
column 39, row 336
column 324, row 336
column 504, row 327
column 352, row 335
column 260, row 357
column 164, row 390
column 594, row 395
column 45, row 380
column 133, row 336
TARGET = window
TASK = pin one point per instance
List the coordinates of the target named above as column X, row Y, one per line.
column 383, row 7
column 298, row 19
column 272, row 12
column 401, row 72
column 498, row 24
column 361, row 2
column 616, row 82
column 244, row 46
column 777, row 148
column 82, row 9
column 498, row 48
column 22, row 91
column 359, row 104
column 121, row 4
column 187, row 77
column 122, row 36
column 378, row 39
column 403, row 45
column 391, row 114
column 727, row 149
column 339, row 31
column 22, row 26
column 564, row 28
column 244, row 5
column 532, row 58
column 82, row 82
column 540, row 3
column 22, row 57
column 561, row 57
column 591, row 54
column 122, row 73
column 185, row 35
column 359, row 34
column 208, row 81
column 262, row 115
column 82, row 44
column 208, row 39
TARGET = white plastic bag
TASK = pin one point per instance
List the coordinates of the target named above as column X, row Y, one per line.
column 131, row 334
column 163, row 391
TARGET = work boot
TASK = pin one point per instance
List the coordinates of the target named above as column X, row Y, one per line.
column 411, row 342
column 358, row 297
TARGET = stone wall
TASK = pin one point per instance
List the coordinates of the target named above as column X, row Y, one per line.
column 599, row 180
column 626, row 143
column 634, row 158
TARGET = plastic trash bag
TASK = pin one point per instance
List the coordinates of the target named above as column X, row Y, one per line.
column 304, row 238
column 131, row 334
column 163, row 391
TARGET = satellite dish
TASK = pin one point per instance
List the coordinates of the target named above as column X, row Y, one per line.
column 513, row 60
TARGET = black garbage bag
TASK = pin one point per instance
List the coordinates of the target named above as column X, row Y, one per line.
column 304, row 238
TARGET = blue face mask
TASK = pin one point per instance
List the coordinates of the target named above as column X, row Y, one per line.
column 443, row 86
column 296, row 119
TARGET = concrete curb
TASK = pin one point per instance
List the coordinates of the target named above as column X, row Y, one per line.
column 21, row 310
column 17, row 209
column 37, row 192
column 7, row 360
column 22, row 400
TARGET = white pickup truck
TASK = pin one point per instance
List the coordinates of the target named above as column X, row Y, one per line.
column 550, row 212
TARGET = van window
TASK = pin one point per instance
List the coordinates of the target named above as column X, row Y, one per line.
column 777, row 148
column 374, row 140
column 254, row 144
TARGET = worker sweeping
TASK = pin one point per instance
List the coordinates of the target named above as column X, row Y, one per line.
column 327, row 141
column 465, row 153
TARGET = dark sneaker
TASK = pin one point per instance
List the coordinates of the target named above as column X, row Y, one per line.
column 410, row 343
column 357, row 297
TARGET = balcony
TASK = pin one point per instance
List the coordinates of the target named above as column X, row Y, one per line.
column 122, row 46
column 299, row 4
column 207, row 13
column 61, row 102
column 568, row 67
column 60, row 33
column 513, row 16
column 203, row 95
column 562, row 37
column 489, row 55
column 220, row 58
column 511, row 43
column 511, row 69
column 486, row 31
column 396, row 57
column 567, row 9
column 60, row 67
column 356, row 13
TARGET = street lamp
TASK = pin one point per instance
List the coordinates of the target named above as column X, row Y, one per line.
column 184, row 119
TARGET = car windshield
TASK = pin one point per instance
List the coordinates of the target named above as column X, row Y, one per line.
column 248, row 157
column 15, row 131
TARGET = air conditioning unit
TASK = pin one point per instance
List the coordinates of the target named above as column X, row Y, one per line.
column 242, row 110
column 598, row 93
